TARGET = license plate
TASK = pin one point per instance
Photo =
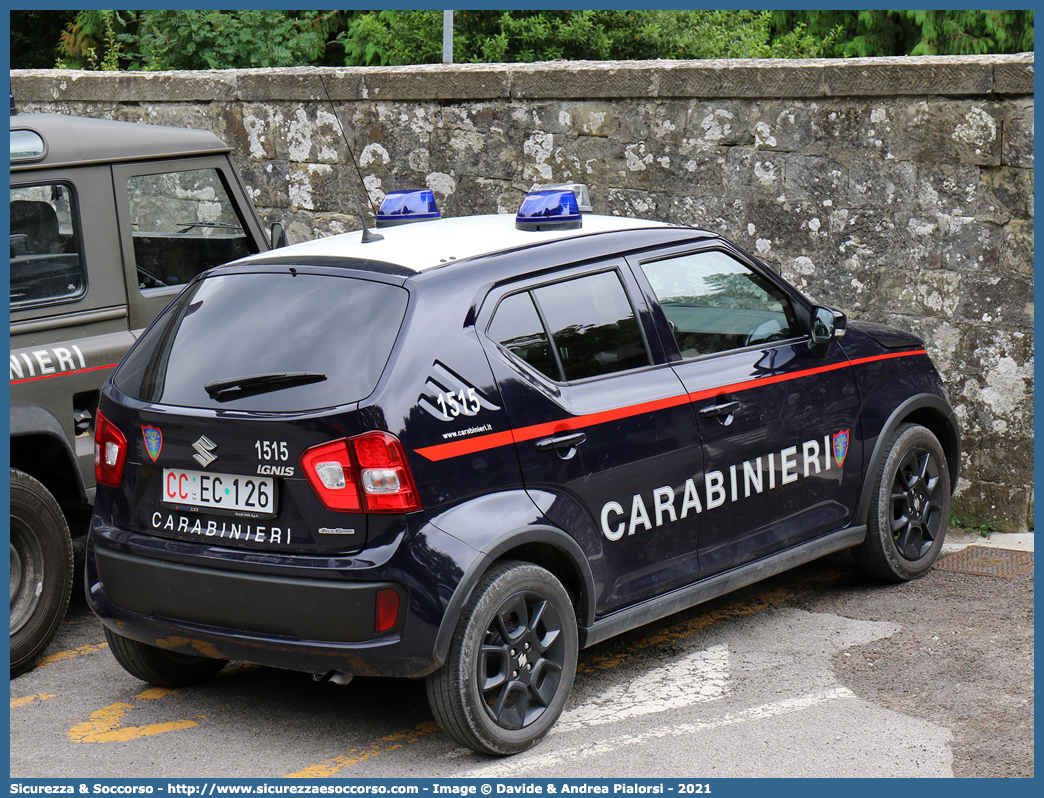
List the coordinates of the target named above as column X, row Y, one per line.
column 229, row 492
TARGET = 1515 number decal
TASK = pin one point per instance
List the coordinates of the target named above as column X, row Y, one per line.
column 272, row 450
column 464, row 401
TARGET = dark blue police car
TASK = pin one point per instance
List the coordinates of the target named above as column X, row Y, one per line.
column 463, row 449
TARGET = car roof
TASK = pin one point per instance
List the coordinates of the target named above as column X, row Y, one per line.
column 425, row 245
column 80, row 140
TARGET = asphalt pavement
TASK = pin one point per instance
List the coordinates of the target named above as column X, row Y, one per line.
column 817, row 672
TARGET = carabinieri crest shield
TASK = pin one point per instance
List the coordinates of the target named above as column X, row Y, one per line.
column 840, row 446
column 154, row 441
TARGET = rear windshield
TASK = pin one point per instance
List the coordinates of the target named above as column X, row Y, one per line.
column 272, row 342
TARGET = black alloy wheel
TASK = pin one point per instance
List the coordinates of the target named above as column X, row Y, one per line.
column 511, row 662
column 910, row 507
column 917, row 508
column 520, row 665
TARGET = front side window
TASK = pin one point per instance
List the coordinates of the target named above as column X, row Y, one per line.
column 714, row 303
column 572, row 330
column 183, row 223
column 46, row 261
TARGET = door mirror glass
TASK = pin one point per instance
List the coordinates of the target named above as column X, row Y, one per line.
column 278, row 236
column 824, row 326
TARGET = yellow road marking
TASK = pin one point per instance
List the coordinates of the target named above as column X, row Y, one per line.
column 71, row 654
column 104, row 727
column 357, row 755
column 157, row 692
column 21, row 702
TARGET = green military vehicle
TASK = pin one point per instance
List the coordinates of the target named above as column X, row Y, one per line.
column 108, row 221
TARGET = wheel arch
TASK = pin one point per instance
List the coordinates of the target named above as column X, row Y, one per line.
column 41, row 448
column 546, row 546
column 930, row 411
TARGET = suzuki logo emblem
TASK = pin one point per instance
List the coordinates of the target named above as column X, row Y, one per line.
column 204, row 446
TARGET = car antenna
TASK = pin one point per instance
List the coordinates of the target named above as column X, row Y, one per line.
column 367, row 234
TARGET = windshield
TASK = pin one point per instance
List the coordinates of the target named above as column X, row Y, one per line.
column 276, row 342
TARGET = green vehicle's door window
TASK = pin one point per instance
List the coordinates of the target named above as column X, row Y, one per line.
column 183, row 223
column 46, row 252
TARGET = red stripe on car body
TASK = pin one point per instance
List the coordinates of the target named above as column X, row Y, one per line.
column 481, row 443
column 63, row 374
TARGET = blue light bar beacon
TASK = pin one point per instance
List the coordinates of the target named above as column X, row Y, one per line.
column 554, row 209
column 407, row 205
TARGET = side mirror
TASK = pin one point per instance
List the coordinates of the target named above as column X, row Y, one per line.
column 278, row 236
column 827, row 326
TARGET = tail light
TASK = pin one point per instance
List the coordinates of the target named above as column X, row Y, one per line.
column 367, row 473
column 110, row 452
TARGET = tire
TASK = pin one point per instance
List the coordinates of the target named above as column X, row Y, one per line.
column 910, row 508
column 493, row 695
column 161, row 668
column 41, row 569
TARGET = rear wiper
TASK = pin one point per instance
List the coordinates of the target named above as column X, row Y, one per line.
column 260, row 383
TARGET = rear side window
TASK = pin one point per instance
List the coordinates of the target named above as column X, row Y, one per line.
column 267, row 342
column 572, row 330
column 46, row 265
column 517, row 327
column 26, row 145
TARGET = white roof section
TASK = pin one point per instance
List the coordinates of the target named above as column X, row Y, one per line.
column 425, row 245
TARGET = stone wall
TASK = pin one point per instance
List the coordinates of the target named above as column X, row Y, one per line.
column 899, row 189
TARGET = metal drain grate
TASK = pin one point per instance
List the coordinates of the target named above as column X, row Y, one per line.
column 985, row 561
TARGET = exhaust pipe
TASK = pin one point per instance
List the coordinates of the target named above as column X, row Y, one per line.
column 337, row 677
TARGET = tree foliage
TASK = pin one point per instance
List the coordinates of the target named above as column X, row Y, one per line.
column 92, row 41
column 211, row 39
column 194, row 39
column 34, row 37
column 223, row 40
column 936, row 32
column 415, row 37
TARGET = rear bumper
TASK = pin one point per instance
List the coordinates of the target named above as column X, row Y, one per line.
column 297, row 613
column 302, row 609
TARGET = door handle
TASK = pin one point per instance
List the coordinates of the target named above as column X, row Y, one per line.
column 725, row 410
column 559, row 442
